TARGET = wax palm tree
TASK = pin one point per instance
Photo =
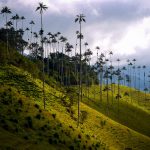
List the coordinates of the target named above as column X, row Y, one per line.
column 22, row 18
column 54, row 41
column 13, row 20
column 101, row 67
column 68, row 50
column 9, row 24
column 111, row 75
column 98, row 68
column 134, row 73
column 31, row 23
column 27, row 31
column 118, row 73
column 124, row 75
column 130, row 79
column 144, row 74
column 5, row 11
column 85, row 44
column 87, row 55
column 139, row 82
column 42, row 8
column 17, row 19
column 63, row 41
column 149, row 82
column 80, row 18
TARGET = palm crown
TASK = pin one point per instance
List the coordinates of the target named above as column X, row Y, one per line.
column 5, row 10
column 41, row 7
column 80, row 18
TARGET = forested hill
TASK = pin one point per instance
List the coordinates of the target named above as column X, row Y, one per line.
column 53, row 100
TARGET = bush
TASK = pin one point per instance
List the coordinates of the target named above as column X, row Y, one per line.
column 54, row 116
column 26, row 137
column 20, row 102
column 103, row 123
column 37, row 106
column 83, row 116
column 38, row 116
column 79, row 136
column 29, row 123
column 56, row 135
column 71, row 147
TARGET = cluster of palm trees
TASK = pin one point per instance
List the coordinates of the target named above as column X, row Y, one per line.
column 54, row 49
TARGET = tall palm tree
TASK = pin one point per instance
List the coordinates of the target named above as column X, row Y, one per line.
column 80, row 18
column 98, row 69
column 118, row 74
column 87, row 55
column 145, row 89
column 111, row 75
column 63, row 41
column 68, row 50
column 17, row 18
column 101, row 67
column 31, row 23
column 139, row 83
column 85, row 44
column 22, row 18
column 134, row 73
column 5, row 11
column 130, row 79
column 42, row 8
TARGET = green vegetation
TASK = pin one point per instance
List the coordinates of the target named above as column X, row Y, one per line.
column 86, row 107
column 23, row 118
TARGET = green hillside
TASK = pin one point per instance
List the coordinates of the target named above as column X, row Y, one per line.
column 22, row 118
column 134, row 111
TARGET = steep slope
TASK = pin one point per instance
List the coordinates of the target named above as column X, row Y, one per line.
column 132, row 111
column 23, row 119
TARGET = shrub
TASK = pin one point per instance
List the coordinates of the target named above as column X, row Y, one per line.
column 50, row 140
column 40, row 111
column 37, row 106
column 29, row 122
column 14, row 120
column 56, row 135
column 54, row 116
column 88, row 137
column 26, row 137
column 83, row 116
column 97, row 144
column 20, row 102
column 79, row 136
column 71, row 147
column 38, row 116
column 103, row 123
column 17, row 110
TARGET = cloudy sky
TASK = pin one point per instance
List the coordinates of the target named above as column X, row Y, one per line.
column 122, row 26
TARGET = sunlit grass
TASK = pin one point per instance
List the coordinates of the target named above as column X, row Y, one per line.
column 51, row 127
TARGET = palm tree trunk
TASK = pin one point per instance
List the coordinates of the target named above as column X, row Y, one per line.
column 7, row 36
column 80, row 80
column 43, row 64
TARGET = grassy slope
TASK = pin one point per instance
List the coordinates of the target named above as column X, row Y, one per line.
column 54, row 128
column 134, row 111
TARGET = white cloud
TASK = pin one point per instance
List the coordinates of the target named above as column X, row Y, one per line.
column 136, row 37
column 126, row 35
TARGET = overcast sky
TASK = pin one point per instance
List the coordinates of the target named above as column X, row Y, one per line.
column 122, row 26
